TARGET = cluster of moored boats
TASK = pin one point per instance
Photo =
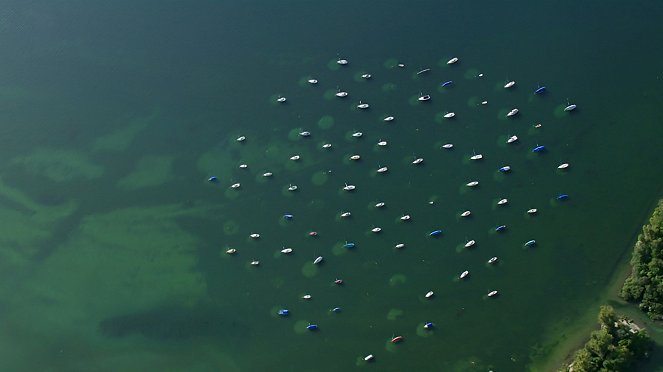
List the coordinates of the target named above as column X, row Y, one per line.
column 416, row 160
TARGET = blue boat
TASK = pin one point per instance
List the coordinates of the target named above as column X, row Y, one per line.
column 539, row 148
column 540, row 90
column 349, row 245
column 428, row 325
column 288, row 216
column 312, row 327
column 447, row 83
column 284, row 312
column 213, row 179
column 336, row 310
column 435, row 233
column 505, row 169
column 562, row 196
column 530, row 243
column 500, row 228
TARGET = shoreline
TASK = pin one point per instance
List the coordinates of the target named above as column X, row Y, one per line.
column 578, row 332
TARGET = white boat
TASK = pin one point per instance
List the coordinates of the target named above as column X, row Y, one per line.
column 292, row 187
column 532, row 211
column 255, row 263
column 563, row 166
column 241, row 139
column 379, row 205
column 349, row 187
column 476, row 157
column 286, row 250
column 357, row 134
column 389, row 118
column 342, row 61
column 369, row 357
column 366, row 76
column 401, row 65
column 254, row 236
column 422, row 71
column 512, row 139
column 235, row 185
column 512, row 112
column 376, row 229
column 424, row 97
column 362, row 106
column 341, row 94
column 382, row 169
column 355, row 157
column 538, row 125
column 429, row 294
column 452, row 61
column 464, row 274
column 448, row 146
column 470, row 243
column 509, row 84
column 307, row 297
column 449, row 115
column 473, row 183
column 417, row 161
column 405, row 217
column 484, row 102
column 317, row 260
column 295, row 157
column 465, row 214
column 231, row 251
column 492, row 260
column 312, row 81
column 502, row 201
column 505, row 168
column 399, row 246
column 492, row 293
column 570, row 107
column 327, row 146
column 346, row 214
column 243, row 166
column 305, row 133
column 281, row 99
column 382, row 143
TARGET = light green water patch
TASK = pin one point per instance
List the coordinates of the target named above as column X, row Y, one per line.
column 475, row 102
column 150, row 171
column 423, row 332
column 559, row 112
column 132, row 259
column 397, row 279
column 339, row 250
column 326, row 122
column 217, row 162
column 231, row 193
column 330, row 94
column 25, row 224
column 59, row 165
column 394, row 314
column 121, row 139
column 472, row 74
column 230, row 227
column 300, row 326
column 389, row 87
column 309, row 269
column 390, row 63
column 334, row 66
column 320, row 178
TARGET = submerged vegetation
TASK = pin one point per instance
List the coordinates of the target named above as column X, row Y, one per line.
column 615, row 347
column 645, row 284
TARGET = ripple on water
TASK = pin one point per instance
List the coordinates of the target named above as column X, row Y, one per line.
column 390, row 63
column 333, row 66
column 471, row 73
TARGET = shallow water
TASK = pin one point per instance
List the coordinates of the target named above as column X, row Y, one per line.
column 113, row 117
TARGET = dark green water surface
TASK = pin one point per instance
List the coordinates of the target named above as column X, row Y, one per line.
column 114, row 114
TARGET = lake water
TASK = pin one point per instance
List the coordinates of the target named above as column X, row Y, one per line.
column 113, row 116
